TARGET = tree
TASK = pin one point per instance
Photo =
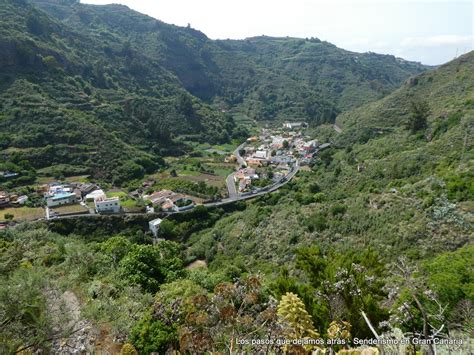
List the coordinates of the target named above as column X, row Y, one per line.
column 314, row 188
column 51, row 62
column 157, row 330
column 116, row 248
column 150, row 335
column 286, row 144
column 418, row 119
column 185, row 105
column 35, row 24
column 9, row 216
column 151, row 265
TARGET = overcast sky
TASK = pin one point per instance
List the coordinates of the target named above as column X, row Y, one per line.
column 431, row 32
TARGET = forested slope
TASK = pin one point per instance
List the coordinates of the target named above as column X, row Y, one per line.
column 69, row 98
column 263, row 77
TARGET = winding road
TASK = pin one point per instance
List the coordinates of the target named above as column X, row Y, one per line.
column 234, row 196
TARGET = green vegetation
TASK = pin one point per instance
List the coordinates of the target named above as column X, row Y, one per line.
column 62, row 95
column 378, row 229
column 21, row 214
column 74, row 75
column 141, row 293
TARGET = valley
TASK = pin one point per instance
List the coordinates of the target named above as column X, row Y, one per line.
column 164, row 192
column 264, row 163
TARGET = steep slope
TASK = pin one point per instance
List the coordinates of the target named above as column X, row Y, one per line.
column 303, row 77
column 105, row 90
column 398, row 191
column 263, row 77
column 74, row 99
column 447, row 90
column 379, row 220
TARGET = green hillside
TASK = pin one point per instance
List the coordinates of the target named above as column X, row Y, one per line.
column 263, row 77
column 69, row 98
column 380, row 185
column 372, row 239
column 447, row 91
column 381, row 223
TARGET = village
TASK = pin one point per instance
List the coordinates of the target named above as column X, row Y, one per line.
column 263, row 164
column 270, row 157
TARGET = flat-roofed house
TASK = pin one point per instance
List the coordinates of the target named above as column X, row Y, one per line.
column 154, row 226
column 261, row 154
column 61, row 198
column 107, row 205
column 159, row 197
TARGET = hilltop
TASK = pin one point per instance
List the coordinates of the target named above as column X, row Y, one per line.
column 263, row 77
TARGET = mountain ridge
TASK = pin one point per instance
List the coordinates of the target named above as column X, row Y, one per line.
column 143, row 83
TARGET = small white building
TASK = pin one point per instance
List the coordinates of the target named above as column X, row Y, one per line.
column 21, row 200
column 57, row 189
column 261, row 154
column 107, row 205
column 293, row 125
column 155, row 226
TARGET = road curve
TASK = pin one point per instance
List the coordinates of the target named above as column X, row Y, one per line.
column 226, row 201
column 234, row 196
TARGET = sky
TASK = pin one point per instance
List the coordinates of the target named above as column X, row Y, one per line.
column 428, row 31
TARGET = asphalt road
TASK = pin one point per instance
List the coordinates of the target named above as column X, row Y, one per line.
column 264, row 191
column 231, row 186
column 240, row 160
column 233, row 194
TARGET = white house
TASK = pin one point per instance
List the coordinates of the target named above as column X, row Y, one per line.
column 292, row 125
column 261, row 154
column 21, row 200
column 59, row 199
column 155, row 226
column 107, row 205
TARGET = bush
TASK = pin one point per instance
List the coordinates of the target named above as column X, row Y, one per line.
column 460, row 187
column 152, row 336
column 338, row 210
column 314, row 188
